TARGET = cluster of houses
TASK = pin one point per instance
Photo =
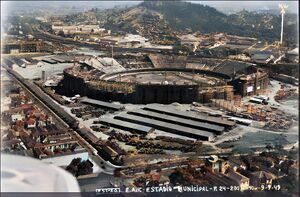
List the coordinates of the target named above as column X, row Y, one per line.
column 215, row 40
column 80, row 29
column 233, row 173
column 32, row 132
column 264, row 172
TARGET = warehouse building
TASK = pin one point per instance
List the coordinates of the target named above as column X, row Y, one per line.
column 218, row 130
column 168, row 127
column 102, row 104
column 127, row 126
column 201, row 118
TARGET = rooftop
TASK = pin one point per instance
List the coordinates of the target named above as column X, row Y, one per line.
column 125, row 125
column 180, row 121
column 172, row 128
column 190, row 115
column 102, row 104
column 237, row 176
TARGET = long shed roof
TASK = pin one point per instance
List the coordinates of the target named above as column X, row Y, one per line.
column 179, row 121
column 191, row 116
column 102, row 104
column 168, row 127
column 125, row 125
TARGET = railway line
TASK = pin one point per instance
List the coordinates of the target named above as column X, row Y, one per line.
column 53, row 38
column 66, row 119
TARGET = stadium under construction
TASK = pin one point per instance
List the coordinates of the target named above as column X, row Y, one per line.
column 197, row 80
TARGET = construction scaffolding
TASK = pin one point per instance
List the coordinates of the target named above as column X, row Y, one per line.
column 112, row 86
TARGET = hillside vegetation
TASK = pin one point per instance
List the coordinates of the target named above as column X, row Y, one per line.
column 162, row 18
column 183, row 15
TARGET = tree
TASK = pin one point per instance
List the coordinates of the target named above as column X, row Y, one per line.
column 147, row 170
column 61, row 33
column 279, row 146
column 177, row 177
column 73, row 147
column 85, row 167
column 269, row 147
column 78, row 167
column 75, row 161
column 72, row 169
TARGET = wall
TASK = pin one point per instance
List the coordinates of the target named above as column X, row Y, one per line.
column 143, row 94
column 259, row 85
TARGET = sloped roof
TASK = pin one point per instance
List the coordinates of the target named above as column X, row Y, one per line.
column 231, row 67
column 31, row 121
column 236, row 176
column 263, row 174
column 295, row 51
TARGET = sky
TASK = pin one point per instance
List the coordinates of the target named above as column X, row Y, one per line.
column 250, row 5
column 224, row 6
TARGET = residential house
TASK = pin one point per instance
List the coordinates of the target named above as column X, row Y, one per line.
column 260, row 178
column 31, row 123
column 216, row 164
column 17, row 117
column 240, row 179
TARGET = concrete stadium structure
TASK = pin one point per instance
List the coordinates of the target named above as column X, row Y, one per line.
column 144, row 86
column 182, row 83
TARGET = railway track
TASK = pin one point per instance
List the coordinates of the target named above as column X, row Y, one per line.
column 52, row 38
column 81, row 140
column 60, row 115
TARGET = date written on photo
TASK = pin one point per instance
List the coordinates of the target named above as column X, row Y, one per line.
column 163, row 189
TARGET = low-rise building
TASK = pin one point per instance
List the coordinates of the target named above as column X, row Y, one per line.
column 217, row 165
column 79, row 29
column 17, row 117
column 260, row 178
column 262, row 56
column 240, row 179
column 15, row 47
column 293, row 55
column 190, row 40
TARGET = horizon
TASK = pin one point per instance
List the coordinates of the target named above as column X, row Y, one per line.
column 227, row 7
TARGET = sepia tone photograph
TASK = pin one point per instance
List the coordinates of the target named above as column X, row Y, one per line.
column 149, row 98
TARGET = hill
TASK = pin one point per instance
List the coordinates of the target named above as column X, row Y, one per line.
column 158, row 20
column 144, row 21
column 183, row 15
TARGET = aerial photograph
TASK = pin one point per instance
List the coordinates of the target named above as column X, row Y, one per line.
column 149, row 98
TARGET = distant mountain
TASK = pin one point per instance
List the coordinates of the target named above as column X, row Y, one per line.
column 182, row 15
column 160, row 19
column 141, row 20
column 60, row 7
column 265, row 26
column 230, row 7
